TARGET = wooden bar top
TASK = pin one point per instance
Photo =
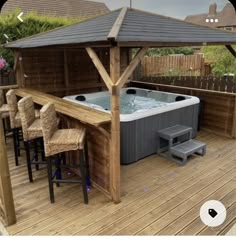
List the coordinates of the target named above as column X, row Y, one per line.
column 82, row 113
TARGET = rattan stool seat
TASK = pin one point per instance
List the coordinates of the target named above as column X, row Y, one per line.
column 17, row 120
column 66, row 140
column 4, row 108
column 4, row 112
column 35, row 129
column 58, row 141
column 32, row 132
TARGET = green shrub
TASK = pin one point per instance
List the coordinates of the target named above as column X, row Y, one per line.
column 222, row 61
column 169, row 51
column 33, row 24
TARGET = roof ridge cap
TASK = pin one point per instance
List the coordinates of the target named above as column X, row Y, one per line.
column 114, row 32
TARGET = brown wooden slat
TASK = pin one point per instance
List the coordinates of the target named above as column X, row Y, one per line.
column 166, row 182
column 81, row 113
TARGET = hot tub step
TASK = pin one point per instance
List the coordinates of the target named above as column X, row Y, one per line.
column 184, row 150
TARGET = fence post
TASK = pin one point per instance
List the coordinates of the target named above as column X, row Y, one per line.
column 5, row 182
column 234, row 120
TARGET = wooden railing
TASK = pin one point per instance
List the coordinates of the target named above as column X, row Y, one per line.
column 223, row 84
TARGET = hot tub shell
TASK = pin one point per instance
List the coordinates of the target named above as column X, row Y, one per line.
column 139, row 129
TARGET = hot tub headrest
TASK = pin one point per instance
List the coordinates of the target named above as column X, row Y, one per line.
column 179, row 98
column 80, row 98
column 131, row 91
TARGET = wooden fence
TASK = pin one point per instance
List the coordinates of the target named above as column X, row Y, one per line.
column 181, row 65
column 223, row 84
column 218, row 109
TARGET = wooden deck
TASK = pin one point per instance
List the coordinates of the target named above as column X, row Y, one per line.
column 158, row 197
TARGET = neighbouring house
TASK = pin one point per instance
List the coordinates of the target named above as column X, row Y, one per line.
column 68, row 8
column 224, row 19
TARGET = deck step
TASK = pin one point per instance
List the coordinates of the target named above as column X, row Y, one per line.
column 185, row 149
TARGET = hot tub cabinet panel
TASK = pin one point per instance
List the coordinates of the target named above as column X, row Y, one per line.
column 139, row 137
column 140, row 125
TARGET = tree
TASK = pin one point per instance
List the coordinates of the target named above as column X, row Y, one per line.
column 33, row 24
column 169, row 51
column 222, row 61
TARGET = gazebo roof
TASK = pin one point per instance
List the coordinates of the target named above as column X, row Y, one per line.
column 129, row 27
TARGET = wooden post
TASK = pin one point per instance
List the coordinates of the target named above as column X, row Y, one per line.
column 66, row 72
column 115, row 124
column 130, row 69
column 18, row 69
column 234, row 120
column 5, row 182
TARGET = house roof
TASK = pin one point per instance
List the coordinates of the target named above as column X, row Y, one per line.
column 64, row 8
column 226, row 17
column 136, row 29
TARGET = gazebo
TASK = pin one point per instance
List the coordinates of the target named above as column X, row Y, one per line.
column 95, row 55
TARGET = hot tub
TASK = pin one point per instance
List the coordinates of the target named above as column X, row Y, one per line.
column 143, row 113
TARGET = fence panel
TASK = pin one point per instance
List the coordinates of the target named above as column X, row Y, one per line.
column 190, row 65
column 7, row 79
column 222, row 84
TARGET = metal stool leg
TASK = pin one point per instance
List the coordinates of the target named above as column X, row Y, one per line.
column 18, row 141
column 42, row 149
column 83, row 177
column 27, row 150
column 4, row 129
column 36, row 154
column 58, row 170
column 50, row 183
column 15, row 146
column 88, row 182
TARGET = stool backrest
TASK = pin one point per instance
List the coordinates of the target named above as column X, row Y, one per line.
column 12, row 104
column 27, row 114
column 49, row 122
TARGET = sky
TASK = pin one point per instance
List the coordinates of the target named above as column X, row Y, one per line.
column 173, row 8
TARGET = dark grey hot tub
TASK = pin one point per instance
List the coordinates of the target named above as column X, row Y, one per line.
column 143, row 113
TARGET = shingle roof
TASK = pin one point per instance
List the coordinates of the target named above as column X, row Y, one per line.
column 65, row 8
column 137, row 27
column 226, row 17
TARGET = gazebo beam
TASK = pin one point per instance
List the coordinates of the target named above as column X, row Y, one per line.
column 231, row 50
column 129, row 70
column 98, row 64
column 115, row 125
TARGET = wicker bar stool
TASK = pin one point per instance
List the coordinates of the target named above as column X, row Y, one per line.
column 32, row 133
column 4, row 111
column 15, row 122
column 58, row 141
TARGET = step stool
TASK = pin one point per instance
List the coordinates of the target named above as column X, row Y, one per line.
column 170, row 134
column 185, row 149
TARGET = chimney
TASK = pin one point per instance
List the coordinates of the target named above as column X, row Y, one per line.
column 212, row 10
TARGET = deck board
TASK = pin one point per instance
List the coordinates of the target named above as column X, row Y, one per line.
column 158, row 197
